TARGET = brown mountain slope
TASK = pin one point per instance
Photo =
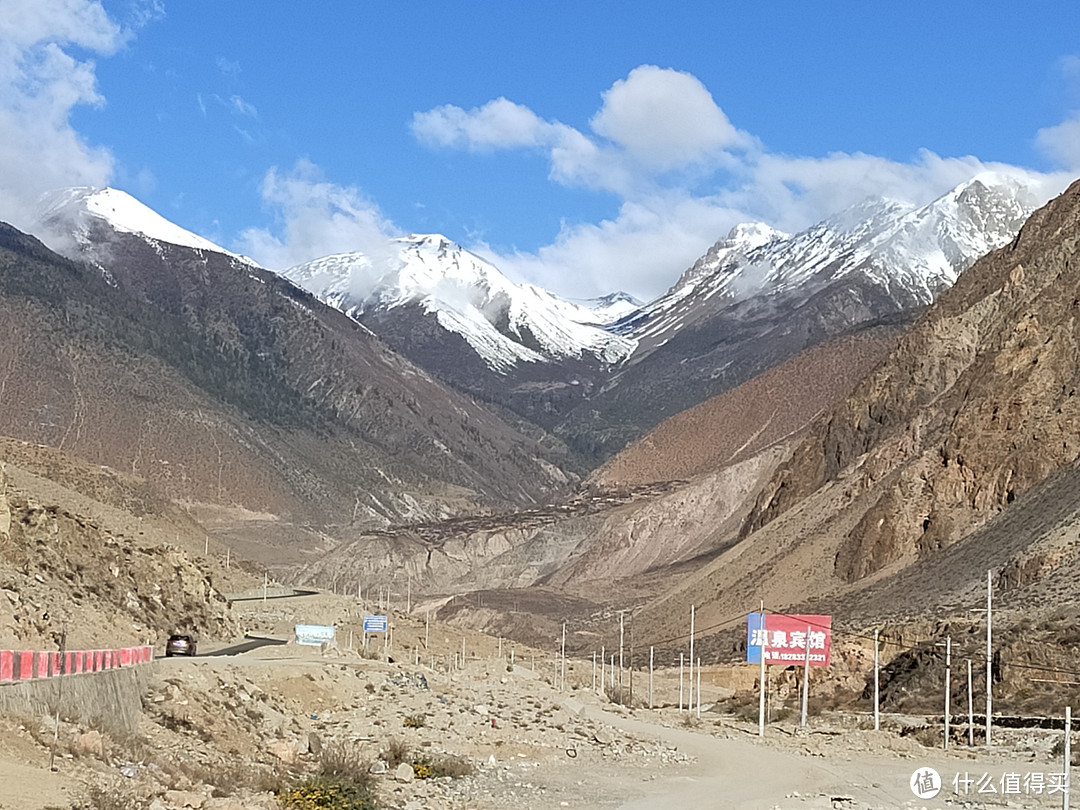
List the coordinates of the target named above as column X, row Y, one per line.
column 977, row 406
column 226, row 385
column 978, row 403
column 100, row 555
column 726, row 448
column 737, row 425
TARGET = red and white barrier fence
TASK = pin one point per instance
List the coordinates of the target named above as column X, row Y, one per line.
column 25, row 665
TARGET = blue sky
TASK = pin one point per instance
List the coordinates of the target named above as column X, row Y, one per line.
column 586, row 147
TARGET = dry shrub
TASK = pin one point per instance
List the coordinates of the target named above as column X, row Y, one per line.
column 113, row 798
column 396, row 752
column 431, row 766
column 326, row 793
column 342, row 760
column 926, row 736
column 621, row 696
column 229, row 779
column 343, row 782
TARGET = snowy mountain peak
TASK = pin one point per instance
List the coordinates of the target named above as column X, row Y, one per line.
column 909, row 253
column 70, row 212
column 504, row 322
column 609, row 309
column 750, row 235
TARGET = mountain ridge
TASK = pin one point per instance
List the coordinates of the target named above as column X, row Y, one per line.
column 505, row 323
column 226, row 384
column 746, row 306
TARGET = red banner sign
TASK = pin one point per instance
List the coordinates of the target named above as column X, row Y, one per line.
column 788, row 640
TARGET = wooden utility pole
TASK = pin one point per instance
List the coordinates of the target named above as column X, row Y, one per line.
column 971, row 711
column 699, row 688
column 680, row 681
column 1066, row 765
column 563, row 656
column 603, row 652
column 620, row 647
column 650, row 677
column 59, row 696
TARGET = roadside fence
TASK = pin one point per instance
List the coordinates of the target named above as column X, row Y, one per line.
column 26, row 665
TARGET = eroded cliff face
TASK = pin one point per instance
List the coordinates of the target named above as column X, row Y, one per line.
column 977, row 404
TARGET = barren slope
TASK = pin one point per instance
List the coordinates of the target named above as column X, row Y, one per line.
column 739, row 424
column 100, row 555
column 975, row 408
column 224, row 384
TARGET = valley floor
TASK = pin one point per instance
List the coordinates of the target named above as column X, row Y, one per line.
column 533, row 746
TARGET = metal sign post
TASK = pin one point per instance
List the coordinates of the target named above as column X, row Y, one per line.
column 948, row 686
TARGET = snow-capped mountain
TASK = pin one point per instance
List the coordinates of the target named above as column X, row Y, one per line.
column 758, row 297
column 908, row 253
column 610, row 309
column 73, row 213
column 505, row 323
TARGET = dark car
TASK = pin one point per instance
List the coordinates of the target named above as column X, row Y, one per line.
column 179, row 645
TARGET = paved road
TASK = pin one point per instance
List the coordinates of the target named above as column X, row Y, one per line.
column 249, row 643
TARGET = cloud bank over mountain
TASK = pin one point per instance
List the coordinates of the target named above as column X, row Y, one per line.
column 675, row 170
column 685, row 174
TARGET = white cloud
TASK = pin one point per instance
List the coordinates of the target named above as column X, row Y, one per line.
column 657, row 139
column 1061, row 143
column 499, row 124
column 241, row 107
column 316, row 218
column 793, row 192
column 229, row 68
column 654, row 121
column 629, row 252
column 40, row 84
column 665, row 119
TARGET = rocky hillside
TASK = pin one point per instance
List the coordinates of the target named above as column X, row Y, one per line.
column 976, row 406
column 227, row 385
column 759, row 297
column 739, row 424
column 663, row 505
column 100, row 555
column 972, row 419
